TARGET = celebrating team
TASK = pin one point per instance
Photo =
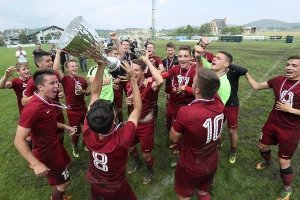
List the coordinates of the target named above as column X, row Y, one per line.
column 201, row 96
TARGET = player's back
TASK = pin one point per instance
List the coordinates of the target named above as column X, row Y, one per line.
column 108, row 156
column 202, row 123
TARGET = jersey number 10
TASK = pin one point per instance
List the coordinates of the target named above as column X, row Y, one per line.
column 214, row 127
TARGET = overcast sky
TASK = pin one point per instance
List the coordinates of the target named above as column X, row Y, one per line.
column 120, row 14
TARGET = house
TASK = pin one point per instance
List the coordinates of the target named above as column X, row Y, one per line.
column 250, row 30
column 41, row 33
column 216, row 26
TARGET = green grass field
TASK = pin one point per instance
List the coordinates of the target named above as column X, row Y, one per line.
column 240, row 181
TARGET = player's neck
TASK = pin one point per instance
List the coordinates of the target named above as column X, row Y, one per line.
column 42, row 95
column 221, row 72
column 141, row 81
column 171, row 57
column 24, row 78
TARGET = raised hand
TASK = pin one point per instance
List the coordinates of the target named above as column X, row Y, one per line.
column 128, row 69
column 198, row 51
column 113, row 35
column 9, row 71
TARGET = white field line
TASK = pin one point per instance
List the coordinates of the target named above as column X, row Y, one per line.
column 266, row 75
column 159, row 189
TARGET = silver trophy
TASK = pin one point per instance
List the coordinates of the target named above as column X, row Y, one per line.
column 80, row 40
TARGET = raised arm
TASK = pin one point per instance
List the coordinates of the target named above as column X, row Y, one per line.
column 97, row 82
column 137, row 102
column 113, row 36
column 56, row 64
column 200, row 60
column 3, row 81
column 254, row 84
column 158, row 79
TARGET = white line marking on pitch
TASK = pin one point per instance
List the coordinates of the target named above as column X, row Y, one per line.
column 159, row 189
column 266, row 75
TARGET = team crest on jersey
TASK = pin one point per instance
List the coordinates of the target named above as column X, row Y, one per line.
column 24, row 85
column 183, row 80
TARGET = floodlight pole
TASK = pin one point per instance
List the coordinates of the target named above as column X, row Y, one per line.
column 153, row 28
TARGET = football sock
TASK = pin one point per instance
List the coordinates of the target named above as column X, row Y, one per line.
column 267, row 155
column 204, row 197
column 232, row 149
column 149, row 163
column 56, row 194
column 75, row 139
column 286, row 176
column 135, row 155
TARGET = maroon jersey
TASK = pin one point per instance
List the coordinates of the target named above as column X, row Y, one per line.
column 158, row 61
column 41, row 118
column 281, row 86
column 148, row 96
column 108, row 156
column 209, row 56
column 200, row 123
column 76, row 102
column 179, row 77
column 19, row 87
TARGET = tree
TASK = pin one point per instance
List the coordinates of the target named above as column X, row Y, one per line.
column 23, row 39
column 1, row 41
column 204, row 29
column 48, row 37
column 34, row 38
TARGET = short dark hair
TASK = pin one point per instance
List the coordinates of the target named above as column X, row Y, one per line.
column 140, row 62
column 170, row 45
column 185, row 48
column 38, row 76
column 125, row 41
column 294, row 57
column 228, row 56
column 208, row 82
column 38, row 56
column 101, row 116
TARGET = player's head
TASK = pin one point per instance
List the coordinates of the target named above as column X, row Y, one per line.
column 206, row 84
column 23, row 70
column 101, row 117
column 126, row 45
column 221, row 61
column 52, row 47
column 39, row 47
column 20, row 48
column 112, row 51
column 151, row 48
column 170, row 49
column 43, row 60
column 138, row 67
column 71, row 67
column 292, row 68
column 46, row 83
column 184, row 56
